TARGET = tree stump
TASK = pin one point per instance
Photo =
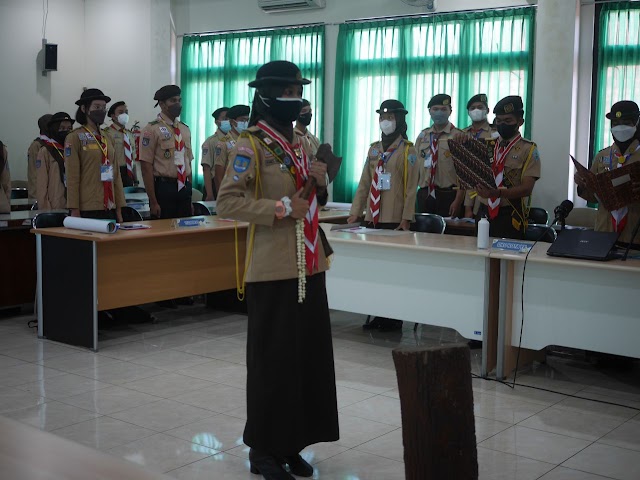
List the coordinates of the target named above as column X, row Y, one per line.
column 436, row 399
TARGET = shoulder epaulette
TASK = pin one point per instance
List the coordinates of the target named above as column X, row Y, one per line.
column 153, row 122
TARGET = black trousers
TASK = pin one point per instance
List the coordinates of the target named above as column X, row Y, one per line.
column 99, row 214
column 173, row 203
column 502, row 226
column 127, row 181
column 291, row 384
column 439, row 205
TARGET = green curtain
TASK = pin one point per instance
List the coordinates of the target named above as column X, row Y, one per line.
column 216, row 69
column 412, row 59
column 618, row 74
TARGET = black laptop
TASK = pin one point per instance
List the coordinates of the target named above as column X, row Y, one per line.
column 585, row 244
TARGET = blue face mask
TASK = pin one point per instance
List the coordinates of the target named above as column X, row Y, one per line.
column 242, row 126
column 439, row 117
column 225, row 126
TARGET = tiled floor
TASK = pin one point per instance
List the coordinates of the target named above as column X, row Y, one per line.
column 170, row 396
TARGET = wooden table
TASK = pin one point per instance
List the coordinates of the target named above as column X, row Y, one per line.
column 580, row 304
column 81, row 273
column 17, row 259
column 28, row 454
column 440, row 280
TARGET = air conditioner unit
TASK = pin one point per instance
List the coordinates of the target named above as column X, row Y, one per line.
column 278, row 6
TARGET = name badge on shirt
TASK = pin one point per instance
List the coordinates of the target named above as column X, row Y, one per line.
column 106, row 173
column 178, row 158
column 384, row 181
column 428, row 162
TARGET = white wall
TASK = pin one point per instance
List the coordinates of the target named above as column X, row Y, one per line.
column 119, row 46
column 562, row 77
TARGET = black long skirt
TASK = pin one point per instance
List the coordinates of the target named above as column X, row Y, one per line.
column 291, row 383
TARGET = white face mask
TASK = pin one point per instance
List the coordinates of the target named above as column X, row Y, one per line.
column 388, row 126
column 478, row 115
column 622, row 133
column 242, row 126
column 123, row 119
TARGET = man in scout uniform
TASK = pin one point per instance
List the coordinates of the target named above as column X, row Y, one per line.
column 624, row 117
column 165, row 156
column 516, row 167
column 438, row 181
column 209, row 148
column 238, row 115
column 308, row 139
column 123, row 141
column 94, row 188
column 32, row 154
column 387, row 188
column 52, row 190
column 480, row 129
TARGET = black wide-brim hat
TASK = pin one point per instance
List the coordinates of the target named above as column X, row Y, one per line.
column 59, row 118
column 392, row 106
column 91, row 94
column 624, row 109
column 279, row 72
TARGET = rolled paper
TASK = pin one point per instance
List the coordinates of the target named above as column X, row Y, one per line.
column 338, row 205
column 90, row 224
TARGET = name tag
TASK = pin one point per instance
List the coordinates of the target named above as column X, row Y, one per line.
column 190, row 222
column 511, row 245
column 106, row 173
column 178, row 158
column 384, row 181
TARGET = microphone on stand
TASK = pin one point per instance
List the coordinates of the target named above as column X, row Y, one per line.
column 562, row 211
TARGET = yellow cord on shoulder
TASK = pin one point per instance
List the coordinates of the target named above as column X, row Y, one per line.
column 406, row 169
column 240, row 285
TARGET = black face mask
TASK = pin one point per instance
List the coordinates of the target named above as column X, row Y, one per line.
column 507, row 131
column 97, row 116
column 60, row 136
column 305, row 119
column 175, row 110
column 286, row 111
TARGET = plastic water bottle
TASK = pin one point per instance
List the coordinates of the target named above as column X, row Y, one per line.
column 483, row 233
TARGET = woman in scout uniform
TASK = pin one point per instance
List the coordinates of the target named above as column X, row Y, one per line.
column 480, row 129
column 291, row 392
column 516, row 168
column 123, row 141
column 308, row 139
column 94, row 188
column 625, row 119
column 387, row 187
column 32, row 154
column 50, row 174
column 5, row 181
column 238, row 115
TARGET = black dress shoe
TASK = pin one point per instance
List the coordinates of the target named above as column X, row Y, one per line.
column 373, row 324
column 299, row 466
column 267, row 466
column 390, row 325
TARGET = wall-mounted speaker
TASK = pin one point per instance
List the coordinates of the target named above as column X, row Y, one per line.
column 50, row 57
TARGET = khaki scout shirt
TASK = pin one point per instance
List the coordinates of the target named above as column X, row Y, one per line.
column 606, row 160
column 445, row 171
column 83, row 159
column 274, row 251
column 117, row 138
column 52, row 194
column 396, row 204
column 209, row 148
column 309, row 141
column 223, row 149
column 5, row 183
column 522, row 161
column 158, row 145
column 483, row 132
column 32, row 155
